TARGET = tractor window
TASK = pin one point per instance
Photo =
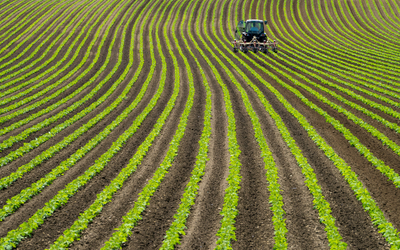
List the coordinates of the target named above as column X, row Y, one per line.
column 254, row 27
column 241, row 26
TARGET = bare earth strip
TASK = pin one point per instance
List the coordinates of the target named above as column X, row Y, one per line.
column 254, row 226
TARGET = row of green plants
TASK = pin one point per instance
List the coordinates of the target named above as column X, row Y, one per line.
column 63, row 79
column 42, row 82
column 390, row 47
column 327, row 68
column 368, row 50
column 389, row 232
column 66, row 111
column 3, row 65
column 144, row 197
column 385, row 109
column 226, row 232
column 366, row 54
column 366, row 20
column 22, row 22
column 354, row 141
column 341, row 75
column 378, row 218
column 360, row 36
column 46, row 110
column 352, row 68
column 369, row 113
column 71, row 73
column 275, row 198
column 369, row 128
column 27, row 228
column 6, row 181
column 20, row 9
column 130, row 220
column 348, row 135
column 18, row 200
column 364, row 64
column 391, row 11
column 106, row 196
column 14, row 57
column 31, row 31
column 380, row 62
column 313, row 43
column 27, row 147
column 173, row 234
column 374, row 61
column 37, row 47
column 8, row 7
column 319, row 201
column 381, row 18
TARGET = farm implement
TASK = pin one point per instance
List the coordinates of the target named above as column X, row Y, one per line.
column 250, row 35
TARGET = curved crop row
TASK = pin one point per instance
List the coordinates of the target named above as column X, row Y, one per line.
column 38, row 141
column 368, row 50
column 367, row 35
column 41, row 83
column 22, row 22
column 16, row 201
column 106, row 195
column 70, row 23
column 25, row 229
column 6, row 6
column 351, row 138
column 229, row 211
column 275, row 198
column 373, row 104
column 64, row 78
column 6, row 181
column 341, row 61
column 81, row 75
column 172, row 235
column 327, row 68
column 134, row 215
column 319, row 202
column 363, row 57
column 362, row 194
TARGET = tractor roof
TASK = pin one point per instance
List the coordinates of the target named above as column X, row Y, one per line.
column 254, row 20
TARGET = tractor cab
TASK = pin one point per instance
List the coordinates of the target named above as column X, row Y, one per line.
column 241, row 27
column 249, row 29
column 250, row 35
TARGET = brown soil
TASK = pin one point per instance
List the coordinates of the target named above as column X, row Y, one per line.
column 254, row 224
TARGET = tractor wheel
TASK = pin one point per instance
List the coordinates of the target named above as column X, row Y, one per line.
column 255, row 50
column 235, row 49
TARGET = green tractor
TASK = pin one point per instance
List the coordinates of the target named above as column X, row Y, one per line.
column 250, row 35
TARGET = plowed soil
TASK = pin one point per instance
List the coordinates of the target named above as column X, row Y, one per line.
column 313, row 36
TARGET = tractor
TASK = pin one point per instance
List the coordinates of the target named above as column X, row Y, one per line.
column 250, row 35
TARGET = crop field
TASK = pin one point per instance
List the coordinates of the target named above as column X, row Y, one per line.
column 133, row 124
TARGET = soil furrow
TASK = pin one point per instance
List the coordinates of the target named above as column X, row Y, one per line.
column 88, row 194
column 48, row 165
column 204, row 220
